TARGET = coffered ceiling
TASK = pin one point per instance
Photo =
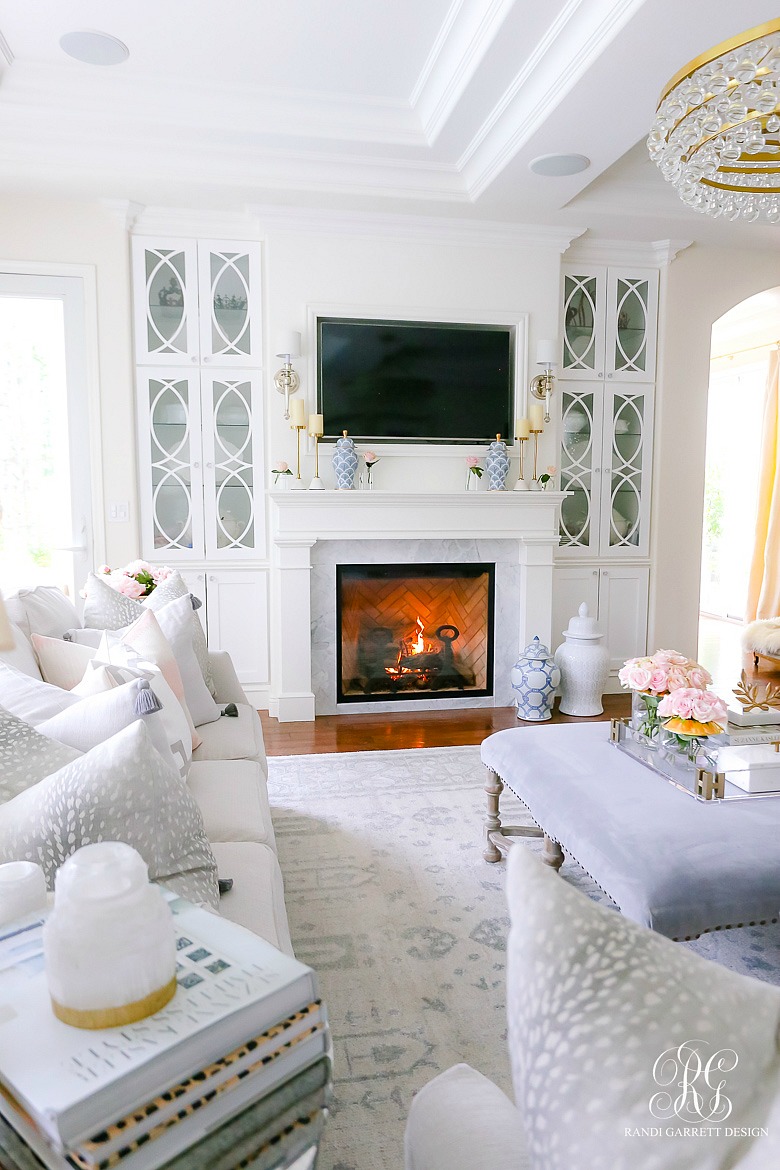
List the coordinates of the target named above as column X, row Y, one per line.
column 432, row 107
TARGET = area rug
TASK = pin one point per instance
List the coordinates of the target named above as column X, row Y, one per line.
column 390, row 900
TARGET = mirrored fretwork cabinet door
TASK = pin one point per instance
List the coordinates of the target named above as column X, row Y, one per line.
column 229, row 288
column 626, row 459
column 632, row 298
column 233, row 461
column 584, row 309
column 165, row 282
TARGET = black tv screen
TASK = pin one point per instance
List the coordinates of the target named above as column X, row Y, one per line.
column 415, row 381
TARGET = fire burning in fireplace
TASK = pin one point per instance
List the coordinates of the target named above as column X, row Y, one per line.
column 391, row 640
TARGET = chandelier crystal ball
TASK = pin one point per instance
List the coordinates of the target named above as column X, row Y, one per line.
column 716, row 136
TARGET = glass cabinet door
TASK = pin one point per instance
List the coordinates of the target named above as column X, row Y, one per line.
column 232, row 448
column 627, row 460
column 230, row 311
column 166, row 301
column 583, row 324
column 171, row 480
column 580, row 467
column 631, row 325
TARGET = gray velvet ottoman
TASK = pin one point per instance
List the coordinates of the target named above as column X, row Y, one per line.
column 675, row 864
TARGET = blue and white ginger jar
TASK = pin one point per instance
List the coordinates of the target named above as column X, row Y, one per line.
column 345, row 461
column 497, row 465
column 535, row 679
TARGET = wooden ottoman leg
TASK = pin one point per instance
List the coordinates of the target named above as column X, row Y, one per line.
column 553, row 854
column 493, row 787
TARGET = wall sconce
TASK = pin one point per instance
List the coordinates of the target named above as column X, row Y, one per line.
column 286, row 380
column 543, row 384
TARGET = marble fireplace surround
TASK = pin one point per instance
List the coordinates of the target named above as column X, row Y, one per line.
column 312, row 532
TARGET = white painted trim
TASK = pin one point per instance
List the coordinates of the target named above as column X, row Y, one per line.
column 123, row 211
column 468, row 31
column 419, row 229
column 88, row 276
column 620, row 253
column 258, row 695
column 570, row 46
column 198, row 223
column 6, row 52
column 518, row 321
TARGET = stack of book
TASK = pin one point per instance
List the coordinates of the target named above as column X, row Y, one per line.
column 238, row 1060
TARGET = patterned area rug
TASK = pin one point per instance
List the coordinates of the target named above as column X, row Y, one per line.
column 390, row 901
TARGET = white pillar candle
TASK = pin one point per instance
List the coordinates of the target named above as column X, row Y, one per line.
column 315, row 424
column 522, row 428
column 536, row 411
column 297, row 412
column 546, row 352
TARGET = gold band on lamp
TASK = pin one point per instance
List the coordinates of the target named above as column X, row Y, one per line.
column 6, row 633
column 116, row 1017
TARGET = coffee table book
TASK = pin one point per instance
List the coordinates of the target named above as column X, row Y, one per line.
column 232, row 986
column 274, row 1133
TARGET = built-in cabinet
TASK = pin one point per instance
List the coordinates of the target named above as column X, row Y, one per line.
column 606, row 398
column 200, row 439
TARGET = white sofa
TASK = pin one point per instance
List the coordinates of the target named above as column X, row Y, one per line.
column 227, row 778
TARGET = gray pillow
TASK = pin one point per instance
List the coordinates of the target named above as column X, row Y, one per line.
column 105, row 608
column 168, row 590
column 26, row 756
column 121, row 790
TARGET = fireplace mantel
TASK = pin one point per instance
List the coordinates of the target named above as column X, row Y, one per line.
column 356, row 515
column 300, row 519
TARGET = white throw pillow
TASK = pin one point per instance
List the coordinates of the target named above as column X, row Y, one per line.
column 175, row 621
column 26, row 756
column 170, row 589
column 122, row 790
column 96, row 718
column 21, row 657
column 43, row 610
column 604, row 1015
column 85, row 637
column 31, row 699
column 149, row 645
column 62, row 663
column 168, row 725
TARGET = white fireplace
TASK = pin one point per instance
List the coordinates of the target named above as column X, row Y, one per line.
column 312, row 532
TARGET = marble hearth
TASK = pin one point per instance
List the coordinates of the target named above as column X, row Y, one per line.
column 315, row 531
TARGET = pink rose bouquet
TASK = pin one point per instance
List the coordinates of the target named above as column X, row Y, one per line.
column 136, row 580
column 280, row 468
column 472, row 467
column 654, row 676
column 691, row 705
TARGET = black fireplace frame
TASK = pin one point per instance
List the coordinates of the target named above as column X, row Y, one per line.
column 386, row 572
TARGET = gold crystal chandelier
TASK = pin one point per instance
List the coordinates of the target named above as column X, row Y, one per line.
column 716, row 135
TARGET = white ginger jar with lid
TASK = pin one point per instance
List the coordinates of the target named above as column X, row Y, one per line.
column 584, row 665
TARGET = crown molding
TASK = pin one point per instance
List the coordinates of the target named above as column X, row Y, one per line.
column 189, row 222
column 464, row 38
column 657, row 254
column 573, row 42
column 418, row 229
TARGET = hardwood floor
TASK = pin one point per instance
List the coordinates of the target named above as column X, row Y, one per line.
column 366, row 733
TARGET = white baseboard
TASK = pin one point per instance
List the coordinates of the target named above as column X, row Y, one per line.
column 258, row 696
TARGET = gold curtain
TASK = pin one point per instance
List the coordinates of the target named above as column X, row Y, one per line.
column 764, row 586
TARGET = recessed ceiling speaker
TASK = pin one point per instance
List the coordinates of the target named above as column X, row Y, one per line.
column 94, row 48
column 556, row 165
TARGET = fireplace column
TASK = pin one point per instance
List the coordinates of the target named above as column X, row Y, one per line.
column 292, row 698
column 536, row 587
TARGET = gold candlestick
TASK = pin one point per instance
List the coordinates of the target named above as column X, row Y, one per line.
column 536, row 435
column 521, row 485
column 298, row 427
column 316, row 431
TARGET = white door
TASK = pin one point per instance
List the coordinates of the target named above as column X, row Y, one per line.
column 45, row 496
column 572, row 584
column 237, row 608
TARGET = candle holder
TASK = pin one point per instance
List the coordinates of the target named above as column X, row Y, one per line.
column 297, row 482
column 536, row 434
column 316, row 484
column 521, row 485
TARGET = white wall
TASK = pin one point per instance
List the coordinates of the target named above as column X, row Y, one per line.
column 385, row 276
column 701, row 285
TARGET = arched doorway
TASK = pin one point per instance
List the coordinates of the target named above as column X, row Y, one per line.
column 742, row 340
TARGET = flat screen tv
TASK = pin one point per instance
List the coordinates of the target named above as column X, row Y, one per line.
column 415, row 381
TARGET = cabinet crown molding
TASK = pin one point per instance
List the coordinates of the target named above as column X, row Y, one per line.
column 656, row 254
